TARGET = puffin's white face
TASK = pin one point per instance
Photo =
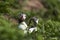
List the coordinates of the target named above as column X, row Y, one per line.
column 37, row 21
column 24, row 16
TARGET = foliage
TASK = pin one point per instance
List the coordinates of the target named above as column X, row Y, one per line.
column 7, row 32
column 49, row 23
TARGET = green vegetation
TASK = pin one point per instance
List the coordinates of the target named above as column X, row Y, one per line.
column 48, row 27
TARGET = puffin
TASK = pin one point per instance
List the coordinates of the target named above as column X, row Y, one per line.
column 22, row 24
column 34, row 26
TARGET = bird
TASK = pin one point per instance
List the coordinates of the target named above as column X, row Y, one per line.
column 22, row 24
column 34, row 26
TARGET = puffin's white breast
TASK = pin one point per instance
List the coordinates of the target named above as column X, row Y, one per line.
column 23, row 26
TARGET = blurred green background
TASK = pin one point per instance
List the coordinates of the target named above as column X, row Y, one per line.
column 49, row 23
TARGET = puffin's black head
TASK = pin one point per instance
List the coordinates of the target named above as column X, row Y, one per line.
column 35, row 20
column 22, row 17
